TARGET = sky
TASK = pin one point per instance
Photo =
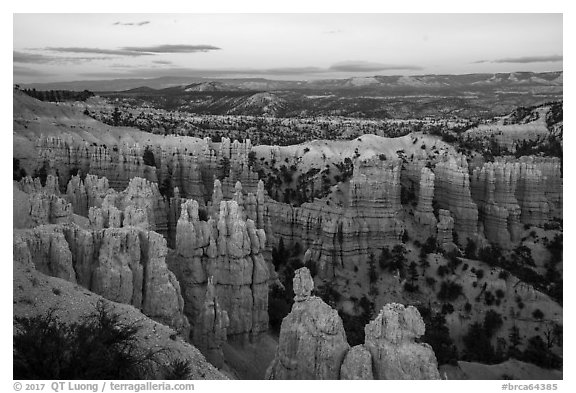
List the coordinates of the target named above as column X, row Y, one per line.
column 66, row 47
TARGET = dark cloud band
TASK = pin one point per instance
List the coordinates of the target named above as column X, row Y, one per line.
column 171, row 48
column 37, row 58
column 99, row 51
column 131, row 23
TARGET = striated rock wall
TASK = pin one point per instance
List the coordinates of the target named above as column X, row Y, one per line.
column 118, row 163
column 445, row 229
column 210, row 329
column 126, row 265
column 228, row 248
column 493, row 188
column 48, row 209
column 424, row 213
column 340, row 236
column 140, row 204
column 44, row 203
column 452, row 193
column 531, row 194
column 511, row 192
column 192, row 168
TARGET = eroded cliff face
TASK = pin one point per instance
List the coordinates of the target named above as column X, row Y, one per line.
column 117, row 163
column 227, row 248
column 191, row 167
column 340, row 234
column 126, row 265
column 210, row 328
column 140, row 204
column 313, row 344
column 452, row 193
column 512, row 192
column 424, row 213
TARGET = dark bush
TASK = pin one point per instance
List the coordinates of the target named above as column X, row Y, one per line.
column 477, row 345
column 538, row 314
column 492, row 322
column 479, row 274
column 538, row 353
column 99, row 346
column 148, row 157
column 449, row 291
column 438, row 336
column 447, row 308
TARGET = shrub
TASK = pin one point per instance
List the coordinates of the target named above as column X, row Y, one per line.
column 538, row 353
column 279, row 305
column 437, row 335
column 429, row 246
column 449, row 291
column 492, row 322
column 538, row 314
column 430, row 281
column 489, row 298
column 99, row 346
column 148, row 157
column 470, row 250
column 447, row 308
column 442, row 270
column 477, row 345
column 17, row 172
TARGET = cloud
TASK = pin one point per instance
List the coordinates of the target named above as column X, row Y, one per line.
column 27, row 71
column 23, row 57
column 99, row 51
column 335, row 31
column 171, row 48
column 37, row 58
column 131, row 23
column 363, row 66
column 525, row 59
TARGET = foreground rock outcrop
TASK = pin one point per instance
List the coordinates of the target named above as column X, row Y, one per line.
column 390, row 339
column 313, row 342
column 36, row 294
column 126, row 265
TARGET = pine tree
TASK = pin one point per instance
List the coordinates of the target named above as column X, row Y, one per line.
column 413, row 272
column 515, row 341
column 372, row 273
column 116, row 117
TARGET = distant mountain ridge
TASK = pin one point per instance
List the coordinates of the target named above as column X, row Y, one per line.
column 552, row 79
